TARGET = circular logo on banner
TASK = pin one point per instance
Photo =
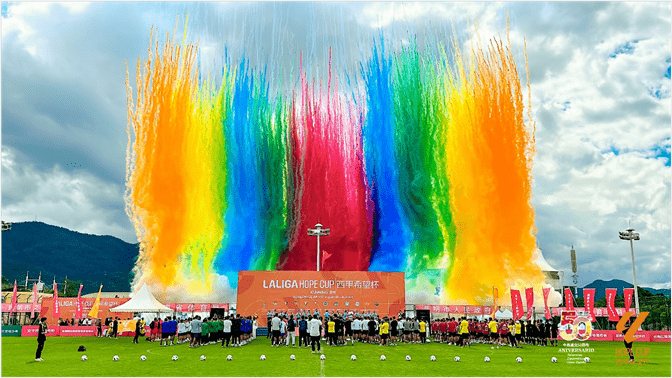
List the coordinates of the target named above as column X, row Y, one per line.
column 325, row 303
column 357, row 304
column 347, row 304
column 573, row 327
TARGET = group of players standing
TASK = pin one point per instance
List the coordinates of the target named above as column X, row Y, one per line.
column 490, row 331
column 339, row 328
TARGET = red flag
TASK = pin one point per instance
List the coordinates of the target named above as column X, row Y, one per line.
column 14, row 297
column 611, row 308
column 32, row 308
column 589, row 302
column 529, row 298
column 57, row 307
column 627, row 294
column 517, row 304
column 547, row 313
column 569, row 299
column 325, row 256
column 78, row 312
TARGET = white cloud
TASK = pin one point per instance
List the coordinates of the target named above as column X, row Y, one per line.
column 78, row 200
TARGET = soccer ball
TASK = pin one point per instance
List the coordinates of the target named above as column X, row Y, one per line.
column 323, row 357
column 486, row 359
column 519, row 360
column 230, row 357
column 292, row 357
column 554, row 360
column 143, row 358
column 353, row 358
column 587, row 360
column 492, row 347
column 408, row 358
column 263, row 357
column 382, row 357
column 457, row 358
column 115, row 358
column 202, row 357
column 174, row 357
column 432, row 358
column 84, row 358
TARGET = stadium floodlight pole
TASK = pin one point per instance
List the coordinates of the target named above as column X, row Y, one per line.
column 629, row 234
column 318, row 231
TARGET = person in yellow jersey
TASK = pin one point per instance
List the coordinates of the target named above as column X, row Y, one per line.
column 519, row 327
column 493, row 330
column 331, row 331
column 423, row 330
column 464, row 331
column 384, row 331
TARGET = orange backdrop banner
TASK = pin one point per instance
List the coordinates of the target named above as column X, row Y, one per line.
column 289, row 291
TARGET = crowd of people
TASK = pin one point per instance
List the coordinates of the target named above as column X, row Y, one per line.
column 342, row 328
column 463, row 332
column 231, row 330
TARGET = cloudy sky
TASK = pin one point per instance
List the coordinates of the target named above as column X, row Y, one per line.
column 599, row 76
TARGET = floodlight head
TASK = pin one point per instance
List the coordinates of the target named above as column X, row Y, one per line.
column 635, row 236
column 318, row 225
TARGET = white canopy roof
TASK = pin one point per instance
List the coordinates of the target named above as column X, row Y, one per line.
column 506, row 314
column 142, row 301
column 541, row 261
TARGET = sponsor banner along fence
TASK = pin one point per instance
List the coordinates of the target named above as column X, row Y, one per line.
column 611, row 335
column 598, row 311
column 289, row 291
column 11, row 330
column 21, row 307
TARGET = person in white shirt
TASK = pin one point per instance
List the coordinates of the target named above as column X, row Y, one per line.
column 187, row 326
column 226, row 329
column 275, row 329
column 181, row 331
column 357, row 329
column 315, row 328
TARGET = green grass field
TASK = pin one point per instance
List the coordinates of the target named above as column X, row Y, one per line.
column 61, row 358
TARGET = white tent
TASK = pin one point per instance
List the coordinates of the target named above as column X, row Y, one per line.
column 143, row 301
column 506, row 314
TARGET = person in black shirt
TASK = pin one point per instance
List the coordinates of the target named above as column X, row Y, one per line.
column 41, row 338
column 628, row 345
column 100, row 328
column 115, row 327
column 339, row 330
column 393, row 331
column 348, row 331
column 554, row 333
column 138, row 323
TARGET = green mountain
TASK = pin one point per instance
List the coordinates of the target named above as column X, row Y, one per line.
column 600, row 286
column 56, row 251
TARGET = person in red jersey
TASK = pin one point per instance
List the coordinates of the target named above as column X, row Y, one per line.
column 443, row 329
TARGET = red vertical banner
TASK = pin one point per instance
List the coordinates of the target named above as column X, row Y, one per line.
column 78, row 312
column 516, row 304
column 57, row 307
column 14, row 300
column 611, row 307
column 547, row 313
column 529, row 299
column 569, row 299
column 32, row 308
column 589, row 302
column 627, row 295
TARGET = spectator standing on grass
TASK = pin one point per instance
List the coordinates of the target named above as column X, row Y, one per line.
column 275, row 328
column 291, row 331
column 315, row 330
column 99, row 324
column 195, row 331
column 303, row 332
column 41, row 338
column 138, row 325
